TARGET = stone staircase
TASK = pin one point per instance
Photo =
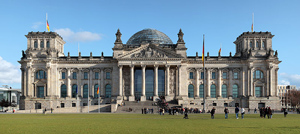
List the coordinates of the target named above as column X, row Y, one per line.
column 136, row 107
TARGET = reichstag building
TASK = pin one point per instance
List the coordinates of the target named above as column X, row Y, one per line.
column 149, row 65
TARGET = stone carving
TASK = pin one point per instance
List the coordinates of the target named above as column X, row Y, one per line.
column 149, row 53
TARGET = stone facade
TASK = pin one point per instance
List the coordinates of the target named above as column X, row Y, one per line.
column 248, row 78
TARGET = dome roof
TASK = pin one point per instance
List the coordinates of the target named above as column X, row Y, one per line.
column 149, row 36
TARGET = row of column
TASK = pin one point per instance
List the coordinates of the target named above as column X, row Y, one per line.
column 144, row 80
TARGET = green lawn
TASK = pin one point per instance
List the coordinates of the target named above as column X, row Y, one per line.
column 154, row 124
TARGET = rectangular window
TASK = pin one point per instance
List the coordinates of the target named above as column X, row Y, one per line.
column 224, row 75
column 213, row 75
column 107, row 75
column 38, row 106
column 74, row 75
column 191, row 75
column 258, row 91
column 225, row 104
column 96, row 75
column 73, row 104
column 202, row 75
column 85, row 75
column 62, row 105
column 63, row 75
column 214, row 104
column 235, row 75
column 40, row 91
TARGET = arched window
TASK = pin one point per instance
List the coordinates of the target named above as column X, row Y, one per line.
column 251, row 45
column 63, row 91
column 257, row 44
column 96, row 95
column 257, row 74
column 35, row 44
column 41, row 74
column 235, row 91
column 107, row 91
column 48, row 44
column 201, row 91
column 42, row 44
column 191, row 91
column 85, row 91
column 74, row 91
column 263, row 44
column 213, row 91
column 224, row 91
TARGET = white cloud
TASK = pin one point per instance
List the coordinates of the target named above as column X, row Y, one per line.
column 9, row 73
column 290, row 79
column 36, row 25
column 83, row 36
column 284, row 82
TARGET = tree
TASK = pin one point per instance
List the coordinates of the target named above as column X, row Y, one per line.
column 294, row 97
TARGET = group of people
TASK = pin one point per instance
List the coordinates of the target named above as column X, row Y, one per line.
column 147, row 111
column 265, row 111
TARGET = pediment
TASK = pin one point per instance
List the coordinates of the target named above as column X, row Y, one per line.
column 149, row 51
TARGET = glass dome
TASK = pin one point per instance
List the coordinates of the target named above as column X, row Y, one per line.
column 149, row 36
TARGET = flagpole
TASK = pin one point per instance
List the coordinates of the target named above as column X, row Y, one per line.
column 88, row 98
column 203, row 74
column 46, row 21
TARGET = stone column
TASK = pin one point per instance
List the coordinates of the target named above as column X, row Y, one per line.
column 208, row 82
column 155, row 81
column 167, row 80
column 29, row 85
column 251, row 82
column 229, row 91
column 143, row 96
column 79, row 86
column 198, row 73
column 219, row 83
column 276, row 80
column 131, row 97
column 91, row 86
column 23, row 82
column 179, row 75
column 271, row 81
column 68, row 83
column 120, row 80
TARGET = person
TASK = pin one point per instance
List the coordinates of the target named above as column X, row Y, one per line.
column 270, row 113
column 285, row 112
column 242, row 112
column 142, row 111
column 226, row 111
column 45, row 111
column 237, row 112
column 163, row 111
column 248, row 110
column 51, row 110
column 185, row 114
column 212, row 113
column 255, row 110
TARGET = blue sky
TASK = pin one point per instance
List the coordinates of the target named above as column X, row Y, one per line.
column 93, row 25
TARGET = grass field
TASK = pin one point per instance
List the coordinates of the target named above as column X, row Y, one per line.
column 151, row 123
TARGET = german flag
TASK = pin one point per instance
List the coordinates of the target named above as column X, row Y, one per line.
column 98, row 90
column 48, row 28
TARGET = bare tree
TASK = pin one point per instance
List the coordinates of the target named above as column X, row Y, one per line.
column 294, row 97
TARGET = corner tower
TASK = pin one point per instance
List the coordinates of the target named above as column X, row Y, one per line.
column 44, row 45
column 254, row 44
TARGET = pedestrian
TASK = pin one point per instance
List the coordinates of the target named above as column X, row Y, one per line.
column 51, row 110
column 226, row 111
column 212, row 113
column 185, row 114
column 242, row 112
column 285, row 112
column 237, row 112
column 255, row 110
column 142, row 111
column 270, row 113
column 248, row 110
column 163, row 111
column 45, row 111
